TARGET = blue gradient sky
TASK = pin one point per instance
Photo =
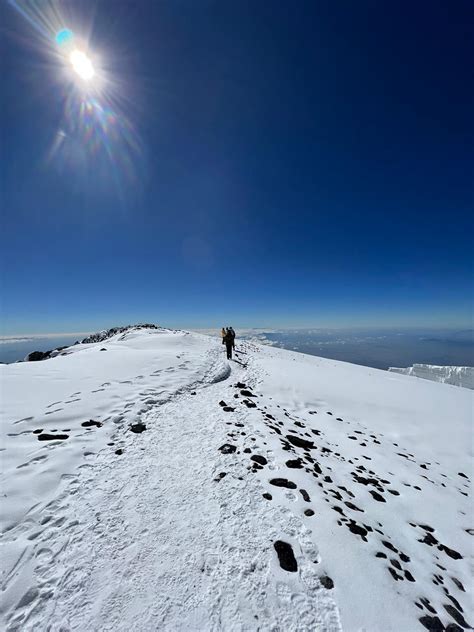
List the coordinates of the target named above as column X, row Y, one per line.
column 296, row 164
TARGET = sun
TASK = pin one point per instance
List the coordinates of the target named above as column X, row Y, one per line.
column 82, row 65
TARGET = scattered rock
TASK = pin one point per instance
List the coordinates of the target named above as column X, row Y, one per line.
column 394, row 574
column 390, row 546
column 138, row 427
column 308, row 512
column 90, row 423
column 295, row 464
column 300, row 443
column 119, row 451
column 249, row 404
column 222, row 403
column 227, row 448
column 267, row 496
column 458, row 584
column 433, row 624
column 286, row 556
column 451, row 552
column 103, row 349
column 261, row 460
column 228, row 409
column 247, row 393
column 305, row 495
column 352, row 506
column 247, row 450
column 240, row 385
column 456, row 615
column 35, row 356
column 220, row 476
column 377, row 496
column 282, row 482
column 38, row 431
column 52, row 437
column 326, row 582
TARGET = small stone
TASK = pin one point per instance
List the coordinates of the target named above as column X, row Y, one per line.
column 377, row 496
column 227, row 448
column 267, row 496
column 282, row 482
column 259, row 459
column 51, row 437
column 138, row 427
column 327, row 582
column 308, row 512
column 247, row 393
column 433, row 624
column 286, row 556
column 305, row 495
column 90, row 423
column 294, row 464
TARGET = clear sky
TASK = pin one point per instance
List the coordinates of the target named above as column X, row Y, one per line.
column 248, row 162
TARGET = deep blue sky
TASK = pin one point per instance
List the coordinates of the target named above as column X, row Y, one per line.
column 300, row 163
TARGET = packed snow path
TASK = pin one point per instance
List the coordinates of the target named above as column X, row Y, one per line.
column 248, row 504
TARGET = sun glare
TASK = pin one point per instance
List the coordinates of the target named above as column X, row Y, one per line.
column 82, row 65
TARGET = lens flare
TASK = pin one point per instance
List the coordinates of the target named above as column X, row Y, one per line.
column 95, row 144
column 82, row 65
column 64, row 37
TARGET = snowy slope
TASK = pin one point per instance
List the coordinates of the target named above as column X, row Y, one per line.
column 279, row 492
column 455, row 375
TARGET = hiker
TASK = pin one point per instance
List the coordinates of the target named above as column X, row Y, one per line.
column 228, row 341
column 223, row 332
column 232, row 333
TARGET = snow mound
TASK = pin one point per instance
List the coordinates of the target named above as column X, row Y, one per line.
column 150, row 484
column 454, row 375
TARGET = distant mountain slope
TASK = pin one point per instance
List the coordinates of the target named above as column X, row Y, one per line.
column 454, row 375
column 149, row 484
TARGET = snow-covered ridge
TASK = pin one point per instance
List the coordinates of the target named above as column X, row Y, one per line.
column 455, row 375
column 149, row 484
column 100, row 336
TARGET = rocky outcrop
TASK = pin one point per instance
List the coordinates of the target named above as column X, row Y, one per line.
column 108, row 333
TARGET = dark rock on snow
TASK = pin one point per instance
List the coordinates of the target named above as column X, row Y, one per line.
column 282, row 482
column 138, row 427
column 286, row 557
column 227, row 448
column 52, row 437
column 326, row 582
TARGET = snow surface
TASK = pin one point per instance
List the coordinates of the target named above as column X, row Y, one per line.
column 174, row 533
column 455, row 375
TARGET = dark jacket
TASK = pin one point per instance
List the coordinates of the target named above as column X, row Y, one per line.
column 228, row 340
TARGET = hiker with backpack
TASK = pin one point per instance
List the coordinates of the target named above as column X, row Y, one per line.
column 229, row 341
column 232, row 333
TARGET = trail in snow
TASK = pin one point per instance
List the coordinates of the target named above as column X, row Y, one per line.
column 171, row 537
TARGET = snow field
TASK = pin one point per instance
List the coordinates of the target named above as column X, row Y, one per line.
column 361, row 476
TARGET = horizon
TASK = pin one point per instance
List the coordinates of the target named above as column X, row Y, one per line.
column 304, row 166
column 12, row 337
